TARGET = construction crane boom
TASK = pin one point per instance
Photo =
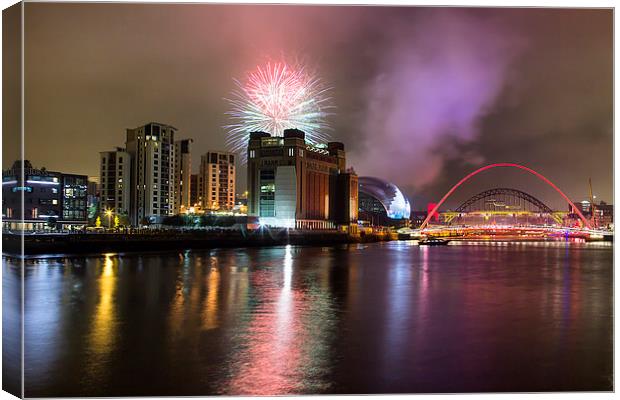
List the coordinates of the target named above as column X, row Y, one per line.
column 592, row 206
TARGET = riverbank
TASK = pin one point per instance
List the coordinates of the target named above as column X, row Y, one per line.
column 82, row 243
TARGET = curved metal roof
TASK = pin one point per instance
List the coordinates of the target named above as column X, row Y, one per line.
column 389, row 195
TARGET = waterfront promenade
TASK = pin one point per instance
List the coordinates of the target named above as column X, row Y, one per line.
column 177, row 239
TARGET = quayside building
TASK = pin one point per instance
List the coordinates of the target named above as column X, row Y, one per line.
column 149, row 178
column 216, row 181
column 35, row 199
column 294, row 184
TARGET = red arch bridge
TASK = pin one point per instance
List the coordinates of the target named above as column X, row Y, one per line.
column 505, row 211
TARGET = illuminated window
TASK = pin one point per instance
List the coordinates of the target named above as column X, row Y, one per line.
column 268, row 188
column 252, row 153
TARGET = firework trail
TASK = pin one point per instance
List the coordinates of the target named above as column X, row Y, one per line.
column 275, row 97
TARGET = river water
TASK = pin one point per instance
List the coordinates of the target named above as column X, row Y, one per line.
column 376, row 318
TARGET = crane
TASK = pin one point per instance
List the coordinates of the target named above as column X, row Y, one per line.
column 592, row 206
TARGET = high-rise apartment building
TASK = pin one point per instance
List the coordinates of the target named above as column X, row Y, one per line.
column 152, row 172
column 294, row 184
column 182, row 175
column 115, row 181
column 217, row 180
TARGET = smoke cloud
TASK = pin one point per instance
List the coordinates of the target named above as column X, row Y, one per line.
column 437, row 77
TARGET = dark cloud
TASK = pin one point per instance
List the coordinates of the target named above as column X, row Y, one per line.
column 422, row 95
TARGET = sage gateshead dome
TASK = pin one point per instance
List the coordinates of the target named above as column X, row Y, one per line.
column 381, row 202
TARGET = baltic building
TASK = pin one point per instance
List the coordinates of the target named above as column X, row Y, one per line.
column 51, row 200
column 294, row 184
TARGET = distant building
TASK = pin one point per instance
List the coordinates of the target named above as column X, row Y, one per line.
column 51, row 200
column 115, row 181
column 382, row 203
column 417, row 218
column 241, row 203
column 241, row 199
column 182, row 175
column 604, row 214
column 152, row 172
column 93, row 186
column 92, row 203
column 584, row 206
column 217, row 180
column 294, row 184
column 194, row 193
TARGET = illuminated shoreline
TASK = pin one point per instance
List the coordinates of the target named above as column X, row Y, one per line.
column 177, row 240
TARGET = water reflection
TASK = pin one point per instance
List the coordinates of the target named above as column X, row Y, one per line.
column 101, row 338
column 43, row 325
column 282, row 348
column 399, row 307
column 211, row 303
column 376, row 318
column 102, row 335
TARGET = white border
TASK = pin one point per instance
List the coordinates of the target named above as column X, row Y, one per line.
column 479, row 3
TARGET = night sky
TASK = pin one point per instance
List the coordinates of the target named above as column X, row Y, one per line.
column 423, row 96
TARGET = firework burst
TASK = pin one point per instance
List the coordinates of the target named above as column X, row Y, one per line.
column 277, row 97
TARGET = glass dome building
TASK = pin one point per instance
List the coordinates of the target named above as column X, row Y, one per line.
column 381, row 202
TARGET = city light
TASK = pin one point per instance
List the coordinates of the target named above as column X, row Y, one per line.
column 277, row 222
column 275, row 97
column 41, row 182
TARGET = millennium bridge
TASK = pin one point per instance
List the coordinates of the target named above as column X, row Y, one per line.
column 508, row 212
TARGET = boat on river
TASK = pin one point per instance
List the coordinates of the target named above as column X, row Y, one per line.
column 433, row 241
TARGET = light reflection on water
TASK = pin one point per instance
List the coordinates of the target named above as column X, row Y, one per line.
column 376, row 318
column 283, row 348
column 101, row 336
